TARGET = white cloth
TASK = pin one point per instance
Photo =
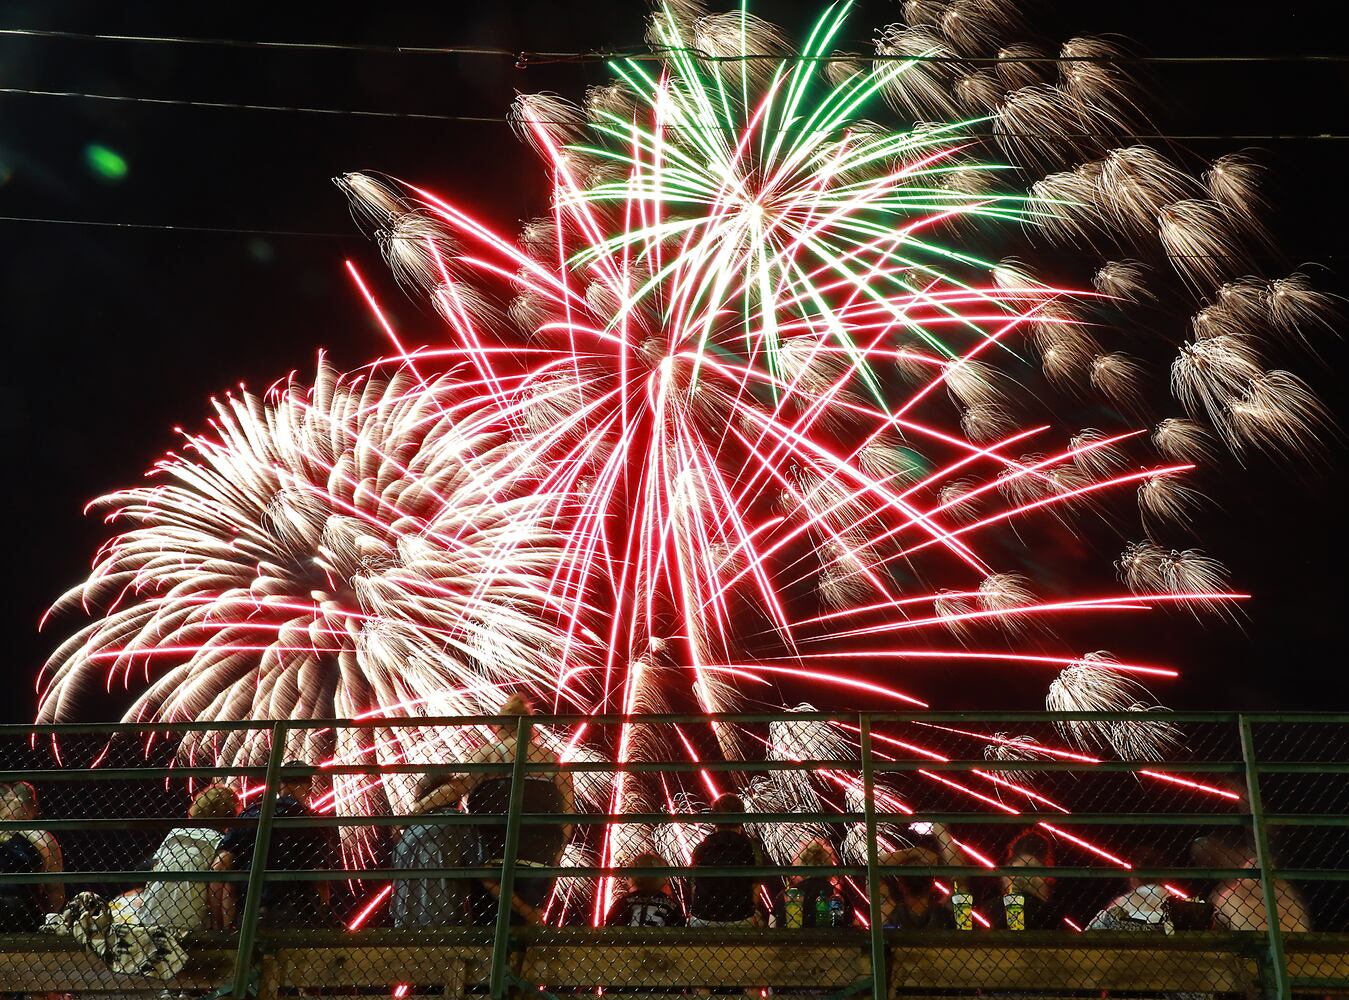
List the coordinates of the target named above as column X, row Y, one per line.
column 1144, row 907
column 129, row 949
column 180, row 906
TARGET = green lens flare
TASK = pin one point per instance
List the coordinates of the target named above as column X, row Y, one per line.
column 106, row 163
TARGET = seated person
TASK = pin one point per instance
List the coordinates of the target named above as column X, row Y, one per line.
column 183, row 906
column 488, row 794
column 26, row 852
column 648, row 902
column 1143, row 906
column 912, row 902
column 817, row 892
column 726, row 901
column 1040, row 906
column 299, row 848
column 1239, row 903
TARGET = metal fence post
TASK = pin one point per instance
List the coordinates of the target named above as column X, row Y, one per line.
column 1260, row 834
column 501, row 939
column 248, row 921
column 877, row 927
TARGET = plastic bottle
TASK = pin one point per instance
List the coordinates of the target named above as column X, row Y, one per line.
column 1014, row 909
column 821, row 910
column 962, row 908
column 793, row 907
column 835, row 911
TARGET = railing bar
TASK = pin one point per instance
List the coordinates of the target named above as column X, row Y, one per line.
column 1260, row 834
column 876, row 926
column 248, row 923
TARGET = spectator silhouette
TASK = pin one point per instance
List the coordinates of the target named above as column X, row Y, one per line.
column 1041, row 906
column 726, row 901
column 488, row 794
column 814, row 889
column 290, row 849
column 26, row 852
column 1239, row 903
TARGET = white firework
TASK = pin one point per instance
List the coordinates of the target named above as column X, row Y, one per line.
column 1095, row 684
column 330, row 551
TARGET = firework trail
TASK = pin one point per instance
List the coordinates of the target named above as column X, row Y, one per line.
column 783, row 384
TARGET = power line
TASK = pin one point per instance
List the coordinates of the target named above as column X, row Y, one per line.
column 226, row 230
column 525, row 57
column 502, row 120
column 229, row 106
column 105, row 224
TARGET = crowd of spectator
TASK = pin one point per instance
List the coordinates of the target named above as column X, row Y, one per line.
column 222, row 838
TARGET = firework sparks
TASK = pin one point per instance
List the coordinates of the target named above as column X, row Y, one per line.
column 736, row 405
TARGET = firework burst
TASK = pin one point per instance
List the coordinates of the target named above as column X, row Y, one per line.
column 751, row 389
column 325, row 551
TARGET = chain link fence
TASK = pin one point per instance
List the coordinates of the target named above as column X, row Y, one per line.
column 800, row 853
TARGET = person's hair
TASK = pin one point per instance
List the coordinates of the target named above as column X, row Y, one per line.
column 914, row 856
column 215, row 802
column 816, row 854
column 649, row 883
column 1148, row 856
column 297, row 780
column 1034, row 844
column 516, row 704
column 910, row 885
column 728, row 802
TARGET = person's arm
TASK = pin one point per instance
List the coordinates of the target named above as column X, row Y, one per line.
column 567, row 787
column 459, row 785
column 443, row 795
column 52, row 861
column 220, row 898
column 946, row 846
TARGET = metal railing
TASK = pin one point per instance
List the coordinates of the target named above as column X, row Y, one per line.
column 1270, row 792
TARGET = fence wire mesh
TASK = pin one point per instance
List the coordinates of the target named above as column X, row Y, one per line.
column 801, row 854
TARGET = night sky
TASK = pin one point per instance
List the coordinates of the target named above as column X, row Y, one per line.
column 114, row 336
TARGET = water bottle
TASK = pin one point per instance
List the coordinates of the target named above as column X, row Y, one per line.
column 821, row 910
column 835, row 911
column 793, row 908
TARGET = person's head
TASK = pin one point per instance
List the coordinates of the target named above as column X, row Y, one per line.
column 727, row 804
column 648, row 883
column 1219, row 851
column 816, row 854
column 913, row 886
column 1146, row 856
column 18, row 801
column 513, row 708
column 1029, row 850
column 215, row 802
column 298, row 786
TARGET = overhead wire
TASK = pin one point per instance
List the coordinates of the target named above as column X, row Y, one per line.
column 503, row 120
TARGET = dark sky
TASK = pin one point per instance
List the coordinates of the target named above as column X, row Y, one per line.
column 114, row 336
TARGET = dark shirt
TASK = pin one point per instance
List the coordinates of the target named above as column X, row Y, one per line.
column 644, row 909
column 724, row 899
column 937, row 916
column 311, row 848
column 19, row 903
column 812, row 889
